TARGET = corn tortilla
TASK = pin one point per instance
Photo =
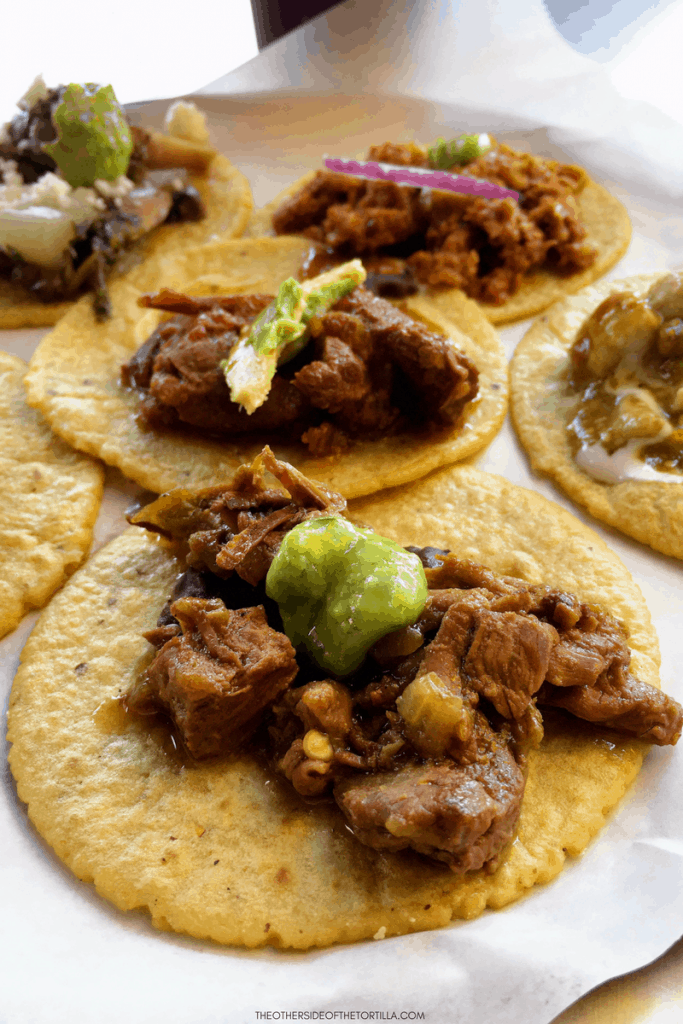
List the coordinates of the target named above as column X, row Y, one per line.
column 227, row 197
column 609, row 230
column 49, row 499
column 652, row 512
column 209, row 848
column 74, row 379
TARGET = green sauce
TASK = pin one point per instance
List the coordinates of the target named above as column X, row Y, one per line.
column 340, row 588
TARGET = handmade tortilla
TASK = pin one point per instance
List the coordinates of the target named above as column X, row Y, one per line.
column 49, row 499
column 225, row 850
column 227, row 197
column 609, row 230
column 652, row 512
column 74, row 379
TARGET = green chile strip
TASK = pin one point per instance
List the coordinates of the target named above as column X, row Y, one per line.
column 340, row 588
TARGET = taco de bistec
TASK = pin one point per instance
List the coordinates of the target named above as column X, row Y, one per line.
column 80, row 187
column 365, row 396
column 515, row 258
column 430, row 738
column 598, row 404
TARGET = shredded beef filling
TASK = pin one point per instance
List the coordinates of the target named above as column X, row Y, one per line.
column 369, row 370
column 483, row 246
column 425, row 745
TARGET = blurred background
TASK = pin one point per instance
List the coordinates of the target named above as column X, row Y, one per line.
column 147, row 50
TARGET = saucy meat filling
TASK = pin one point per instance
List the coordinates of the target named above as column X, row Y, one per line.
column 83, row 231
column 444, row 240
column 425, row 744
column 626, row 374
column 368, row 370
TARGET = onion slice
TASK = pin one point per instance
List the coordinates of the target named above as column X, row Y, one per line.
column 39, row 234
column 420, row 177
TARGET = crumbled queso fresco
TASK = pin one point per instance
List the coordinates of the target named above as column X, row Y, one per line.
column 82, row 205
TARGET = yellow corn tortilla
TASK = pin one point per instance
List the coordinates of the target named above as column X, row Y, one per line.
column 74, row 379
column 652, row 512
column 49, row 499
column 211, row 849
column 609, row 230
column 228, row 201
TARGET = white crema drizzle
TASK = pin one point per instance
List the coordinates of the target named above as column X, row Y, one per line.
column 626, row 463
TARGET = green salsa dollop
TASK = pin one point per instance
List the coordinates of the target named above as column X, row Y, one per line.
column 340, row 588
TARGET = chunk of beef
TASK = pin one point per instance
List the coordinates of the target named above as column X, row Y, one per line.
column 179, row 368
column 508, row 658
column 463, row 816
column 340, row 378
column 218, row 677
column 442, row 377
column 621, row 702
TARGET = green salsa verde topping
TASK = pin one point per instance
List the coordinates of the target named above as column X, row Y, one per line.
column 340, row 588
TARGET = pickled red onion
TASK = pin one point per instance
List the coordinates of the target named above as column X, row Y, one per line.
column 420, row 177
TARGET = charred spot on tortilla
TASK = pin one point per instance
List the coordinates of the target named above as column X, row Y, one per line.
column 514, row 257
column 80, row 186
column 617, row 380
column 408, row 684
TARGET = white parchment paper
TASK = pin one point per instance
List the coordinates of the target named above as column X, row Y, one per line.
column 420, row 70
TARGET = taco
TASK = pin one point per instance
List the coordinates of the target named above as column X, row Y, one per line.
column 84, row 192
column 513, row 258
column 378, row 397
column 49, row 499
column 597, row 400
column 431, row 739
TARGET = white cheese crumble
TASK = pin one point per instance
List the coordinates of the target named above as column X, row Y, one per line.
column 79, row 204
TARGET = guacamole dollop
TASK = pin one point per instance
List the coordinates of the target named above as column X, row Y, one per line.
column 94, row 140
column 340, row 588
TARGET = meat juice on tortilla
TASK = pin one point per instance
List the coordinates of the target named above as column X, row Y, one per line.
column 514, row 257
